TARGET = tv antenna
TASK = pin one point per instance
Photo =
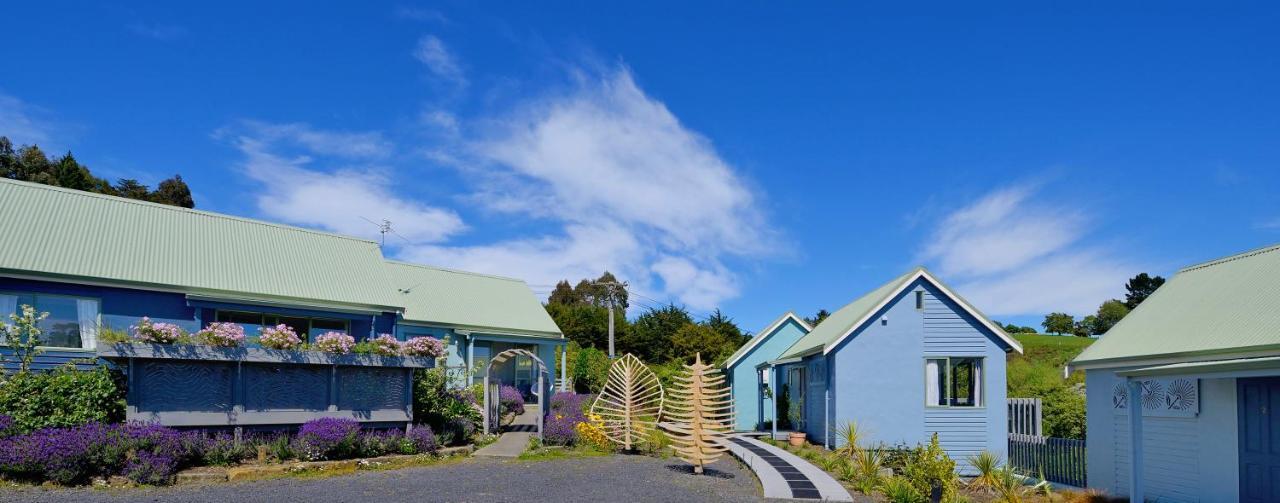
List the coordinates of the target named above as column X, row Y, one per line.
column 383, row 229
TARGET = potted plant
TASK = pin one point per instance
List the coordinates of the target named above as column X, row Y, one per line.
column 795, row 414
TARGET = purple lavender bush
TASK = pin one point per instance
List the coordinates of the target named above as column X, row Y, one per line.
column 155, row 468
column 376, row 443
column 566, row 413
column 328, row 438
column 6, row 425
column 423, row 440
column 510, row 401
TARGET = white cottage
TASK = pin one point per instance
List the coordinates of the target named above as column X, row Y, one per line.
column 1200, row 359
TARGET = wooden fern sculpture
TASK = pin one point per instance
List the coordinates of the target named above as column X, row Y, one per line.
column 700, row 415
column 630, row 403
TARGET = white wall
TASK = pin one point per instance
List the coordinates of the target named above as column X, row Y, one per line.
column 1185, row 459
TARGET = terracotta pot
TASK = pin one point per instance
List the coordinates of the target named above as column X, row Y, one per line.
column 796, row 439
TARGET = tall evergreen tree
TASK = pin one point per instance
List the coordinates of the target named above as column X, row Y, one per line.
column 564, row 294
column 817, row 318
column 1139, row 288
column 30, row 164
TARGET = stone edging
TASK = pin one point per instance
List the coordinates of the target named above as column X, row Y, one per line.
column 256, row 472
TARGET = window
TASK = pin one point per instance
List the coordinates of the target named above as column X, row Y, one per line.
column 72, row 321
column 920, row 299
column 953, row 382
column 307, row 328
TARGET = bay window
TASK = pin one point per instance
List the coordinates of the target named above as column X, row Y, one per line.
column 72, row 322
column 953, row 382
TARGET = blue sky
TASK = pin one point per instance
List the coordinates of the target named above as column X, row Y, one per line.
column 747, row 155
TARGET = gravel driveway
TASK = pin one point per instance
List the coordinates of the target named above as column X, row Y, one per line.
column 611, row 478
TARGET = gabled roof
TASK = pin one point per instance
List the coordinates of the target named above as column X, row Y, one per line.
column 765, row 334
column 1228, row 305
column 481, row 302
column 76, row 236
column 848, row 319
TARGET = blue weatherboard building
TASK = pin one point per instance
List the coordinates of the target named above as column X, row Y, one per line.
column 907, row 360
column 97, row 263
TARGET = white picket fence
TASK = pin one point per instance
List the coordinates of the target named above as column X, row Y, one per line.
column 1025, row 416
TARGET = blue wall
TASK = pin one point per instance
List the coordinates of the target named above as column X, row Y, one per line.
column 753, row 409
column 879, row 380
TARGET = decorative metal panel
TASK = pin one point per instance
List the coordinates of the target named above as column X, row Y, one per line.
column 184, row 386
column 286, row 387
column 371, row 388
column 1177, row 397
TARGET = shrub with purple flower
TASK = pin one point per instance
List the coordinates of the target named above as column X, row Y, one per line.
column 386, row 345
column 335, row 342
column 423, row 346
column 510, row 401
column 221, row 334
column 566, row 413
column 156, row 332
column 279, row 337
column 380, row 443
column 423, row 439
column 146, row 467
column 6, row 425
column 328, row 438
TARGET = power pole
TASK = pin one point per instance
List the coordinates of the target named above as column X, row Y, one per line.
column 611, row 285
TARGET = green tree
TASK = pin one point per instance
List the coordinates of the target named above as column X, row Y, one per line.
column 1139, row 288
column 602, row 290
column 651, row 333
column 1109, row 313
column 1084, row 327
column 586, row 324
column 817, row 318
column 564, row 294
column 173, row 192
column 725, row 326
column 1058, row 323
column 1010, row 328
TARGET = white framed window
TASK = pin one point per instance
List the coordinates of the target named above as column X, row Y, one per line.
column 953, row 381
column 72, row 322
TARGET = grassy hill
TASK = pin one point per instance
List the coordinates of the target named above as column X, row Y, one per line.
column 1038, row 373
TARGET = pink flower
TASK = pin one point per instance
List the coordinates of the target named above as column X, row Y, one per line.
column 423, row 346
column 335, row 342
column 157, row 333
column 279, row 337
column 386, row 345
column 227, row 335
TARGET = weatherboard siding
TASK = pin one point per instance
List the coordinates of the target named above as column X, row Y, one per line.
column 753, row 409
column 1184, row 459
column 964, row 431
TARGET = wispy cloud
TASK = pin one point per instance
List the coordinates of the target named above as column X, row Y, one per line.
column 1270, row 225
column 1013, row 251
column 605, row 176
column 157, row 31
column 298, row 190
column 432, row 52
column 23, row 123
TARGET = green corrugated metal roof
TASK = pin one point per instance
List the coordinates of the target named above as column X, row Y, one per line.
column 841, row 321
column 1227, row 305
column 75, row 234
column 443, row 296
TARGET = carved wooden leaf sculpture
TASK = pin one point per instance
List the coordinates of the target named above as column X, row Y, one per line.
column 630, row 403
column 700, row 415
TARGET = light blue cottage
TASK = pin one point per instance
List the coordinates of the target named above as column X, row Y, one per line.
column 906, row 360
column 748, row 369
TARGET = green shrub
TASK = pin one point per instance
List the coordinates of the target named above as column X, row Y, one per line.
column 900, row 490
column 452, row 414
column 864, row 471
column 63, row 397
column 589, row 367
column 928, row 466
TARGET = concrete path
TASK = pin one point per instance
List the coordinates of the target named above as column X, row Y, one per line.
column 784, row 475
column 515, row 437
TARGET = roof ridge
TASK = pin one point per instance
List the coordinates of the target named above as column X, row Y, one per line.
column 455, row 271
column 1230, row 258
column 206, row 213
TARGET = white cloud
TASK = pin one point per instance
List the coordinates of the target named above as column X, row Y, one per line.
column 432, row 52
column 421, row 14
column 1013, row 253
column 604, row 176
column 338, row 200
column 22, row 123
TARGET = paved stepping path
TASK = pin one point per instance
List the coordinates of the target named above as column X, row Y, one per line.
column 515, row 437
column 784, row 475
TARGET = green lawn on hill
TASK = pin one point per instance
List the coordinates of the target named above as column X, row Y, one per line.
column 1037, row 373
